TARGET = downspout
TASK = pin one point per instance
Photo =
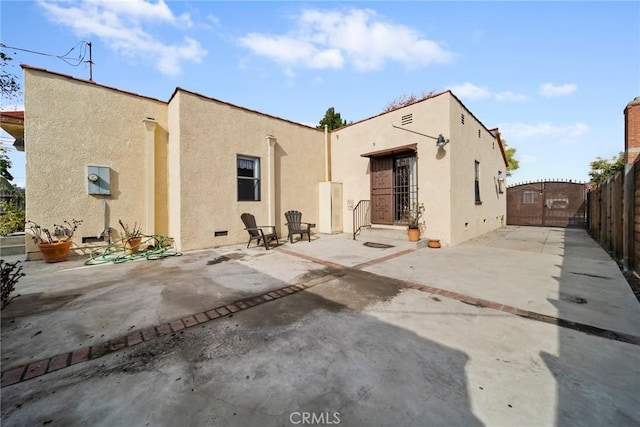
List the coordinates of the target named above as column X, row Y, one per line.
column 327, row 160
column 271, row 180
column 150, row 178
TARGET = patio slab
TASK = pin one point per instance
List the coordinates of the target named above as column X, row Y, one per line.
column 359, row 343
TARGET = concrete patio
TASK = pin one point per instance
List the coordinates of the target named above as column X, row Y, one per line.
column 379, row 336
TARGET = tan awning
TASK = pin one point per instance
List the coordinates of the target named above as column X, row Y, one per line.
column 411, row 148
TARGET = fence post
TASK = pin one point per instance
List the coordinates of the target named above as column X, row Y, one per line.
column 628, row 217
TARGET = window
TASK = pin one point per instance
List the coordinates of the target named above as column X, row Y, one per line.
column 529, row 196
column 477, row 181
column 248, row 179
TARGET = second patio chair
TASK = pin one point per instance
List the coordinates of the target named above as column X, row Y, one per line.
column 257, row 232
column 296, row 226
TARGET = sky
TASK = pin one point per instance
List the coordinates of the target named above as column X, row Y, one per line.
column 554, row 77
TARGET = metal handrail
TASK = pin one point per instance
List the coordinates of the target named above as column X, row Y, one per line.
column 361, row 216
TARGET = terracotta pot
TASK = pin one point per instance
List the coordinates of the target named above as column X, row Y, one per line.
column 56, row 251
column 131, row 246
column 414, row 234
column 434, row 243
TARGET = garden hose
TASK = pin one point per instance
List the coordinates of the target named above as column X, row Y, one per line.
column 149, row 247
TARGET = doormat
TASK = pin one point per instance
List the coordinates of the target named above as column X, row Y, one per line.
column 377, row 245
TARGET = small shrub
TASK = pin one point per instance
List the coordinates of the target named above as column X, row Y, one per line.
column 10, row 273
column 12, row 220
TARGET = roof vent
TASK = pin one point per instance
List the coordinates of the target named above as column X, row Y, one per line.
column 406, row 119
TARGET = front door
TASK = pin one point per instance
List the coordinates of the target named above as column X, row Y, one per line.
column 393, row 188
column 382, row 190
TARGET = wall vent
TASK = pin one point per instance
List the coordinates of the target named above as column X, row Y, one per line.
column 462, row 118
column 406, row 119
column 220, row 233
column 478, row 133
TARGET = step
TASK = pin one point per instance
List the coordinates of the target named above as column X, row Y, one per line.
column 12, row 244
column 389, row 236
column 12, row 239
column 8, row 250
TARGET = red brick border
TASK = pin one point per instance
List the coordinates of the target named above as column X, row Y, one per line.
column 35, row 369
column 25, row 372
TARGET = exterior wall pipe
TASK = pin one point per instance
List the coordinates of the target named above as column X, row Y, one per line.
column 150, row 190
column 271, row 180
column 327, row 160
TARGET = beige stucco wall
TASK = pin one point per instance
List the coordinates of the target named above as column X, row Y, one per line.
column 211, row 135
column 378, row 133
column 468, row 219
column 445, row 175
column 70, row 124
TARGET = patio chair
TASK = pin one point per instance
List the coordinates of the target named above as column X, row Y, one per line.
column 296, row 226
column 257, row 232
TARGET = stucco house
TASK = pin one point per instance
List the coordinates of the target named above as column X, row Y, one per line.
column 190, row 166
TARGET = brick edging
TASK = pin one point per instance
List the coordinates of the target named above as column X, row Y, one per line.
column 51, row 364
column 35, row 369
column 545, row 318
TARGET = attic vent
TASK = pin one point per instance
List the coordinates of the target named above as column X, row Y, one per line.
column 407, row 119
column 462, row 118
column 478, row 133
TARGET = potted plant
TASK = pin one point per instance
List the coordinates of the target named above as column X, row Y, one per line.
column 54, row 249
column 132, row 237
column 414, row 214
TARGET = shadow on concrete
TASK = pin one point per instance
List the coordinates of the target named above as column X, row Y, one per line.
column 316, row 351
column 597, row 379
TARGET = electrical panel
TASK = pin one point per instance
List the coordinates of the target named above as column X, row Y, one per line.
column 99, row 180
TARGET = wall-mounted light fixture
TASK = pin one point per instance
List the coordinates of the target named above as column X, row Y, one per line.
column 501, row 180
column 441, row 141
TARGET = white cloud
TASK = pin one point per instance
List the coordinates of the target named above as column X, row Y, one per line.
column 510, row 96
column 119, row 24
column 359, row 37
column 550, row 90
column 563, row 134
column 472, row 92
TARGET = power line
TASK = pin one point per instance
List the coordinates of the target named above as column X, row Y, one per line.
column 73, row 61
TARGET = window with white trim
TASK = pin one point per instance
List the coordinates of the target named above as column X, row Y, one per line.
column 248, row 179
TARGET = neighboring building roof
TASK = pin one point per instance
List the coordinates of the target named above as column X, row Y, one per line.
column 12, row 122
column 8, row 115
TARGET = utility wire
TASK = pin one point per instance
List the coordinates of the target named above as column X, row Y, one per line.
column 65, row 58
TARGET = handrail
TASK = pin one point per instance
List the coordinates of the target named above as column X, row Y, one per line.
column 361, row 216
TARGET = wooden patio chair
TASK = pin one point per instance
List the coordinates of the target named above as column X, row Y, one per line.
column 257, row 232
column 296, row 226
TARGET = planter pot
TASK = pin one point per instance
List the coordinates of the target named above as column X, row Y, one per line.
column 131, row 246
column 414, row 234
column 434, row 243
column 56, row 251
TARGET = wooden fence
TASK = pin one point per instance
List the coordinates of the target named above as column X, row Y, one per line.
column 614, row 216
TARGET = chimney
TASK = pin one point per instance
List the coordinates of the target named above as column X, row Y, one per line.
column 632, row 131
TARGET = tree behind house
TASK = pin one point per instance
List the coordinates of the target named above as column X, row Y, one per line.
column 601, row 169
column 332, row 120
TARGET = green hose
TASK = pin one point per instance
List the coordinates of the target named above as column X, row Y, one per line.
column 150, row 247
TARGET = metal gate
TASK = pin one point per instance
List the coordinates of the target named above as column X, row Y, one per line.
column 547, row 203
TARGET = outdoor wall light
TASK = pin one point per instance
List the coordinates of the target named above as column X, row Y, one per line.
column 500, row 182
column 441, row 141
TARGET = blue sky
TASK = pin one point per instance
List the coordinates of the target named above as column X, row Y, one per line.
column 553, row 76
